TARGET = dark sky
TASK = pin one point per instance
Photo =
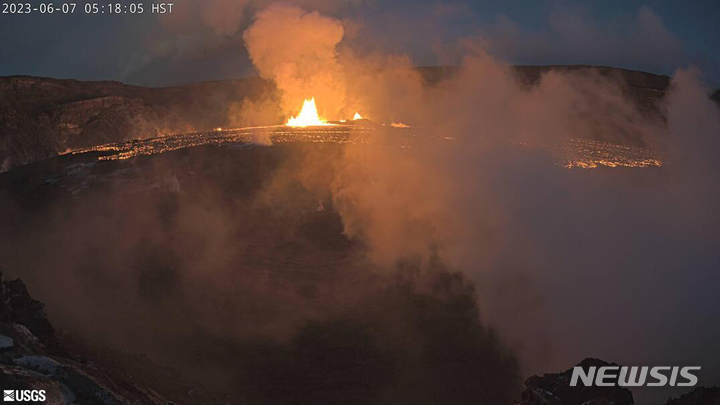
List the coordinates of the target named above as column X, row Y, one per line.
column 202, row 40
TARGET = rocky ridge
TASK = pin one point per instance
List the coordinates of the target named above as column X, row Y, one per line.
column 43, row 117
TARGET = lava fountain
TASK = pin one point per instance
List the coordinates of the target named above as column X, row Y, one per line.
column 308, row 116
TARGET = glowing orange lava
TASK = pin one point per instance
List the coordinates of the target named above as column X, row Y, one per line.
column 308, row 116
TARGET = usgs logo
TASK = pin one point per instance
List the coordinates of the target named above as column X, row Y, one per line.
column 610, row 376
column 23, row 395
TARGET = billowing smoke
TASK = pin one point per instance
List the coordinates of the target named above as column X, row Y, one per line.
column 563, row 259
column 288, row 251
column 230, row 266
column 297, row 50
column 395, row 199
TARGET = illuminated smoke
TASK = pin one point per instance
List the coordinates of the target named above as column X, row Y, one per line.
column 297, row 50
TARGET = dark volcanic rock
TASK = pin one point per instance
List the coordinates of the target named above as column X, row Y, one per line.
column 699, row 396
column 555, row 389
column 19, row 309
column 31, row 359
column 42, row 117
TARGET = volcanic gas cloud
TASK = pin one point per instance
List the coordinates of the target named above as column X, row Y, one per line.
column 441, row 270
column 517, row 227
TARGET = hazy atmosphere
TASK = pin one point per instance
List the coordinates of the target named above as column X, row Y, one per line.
column 202, row 40
column 372, row 202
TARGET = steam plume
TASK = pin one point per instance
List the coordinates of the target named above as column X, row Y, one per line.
column 297, row 50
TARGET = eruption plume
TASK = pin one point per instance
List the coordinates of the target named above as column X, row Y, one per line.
column 296, row 49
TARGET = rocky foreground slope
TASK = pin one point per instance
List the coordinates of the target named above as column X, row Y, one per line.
column 33, row 357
